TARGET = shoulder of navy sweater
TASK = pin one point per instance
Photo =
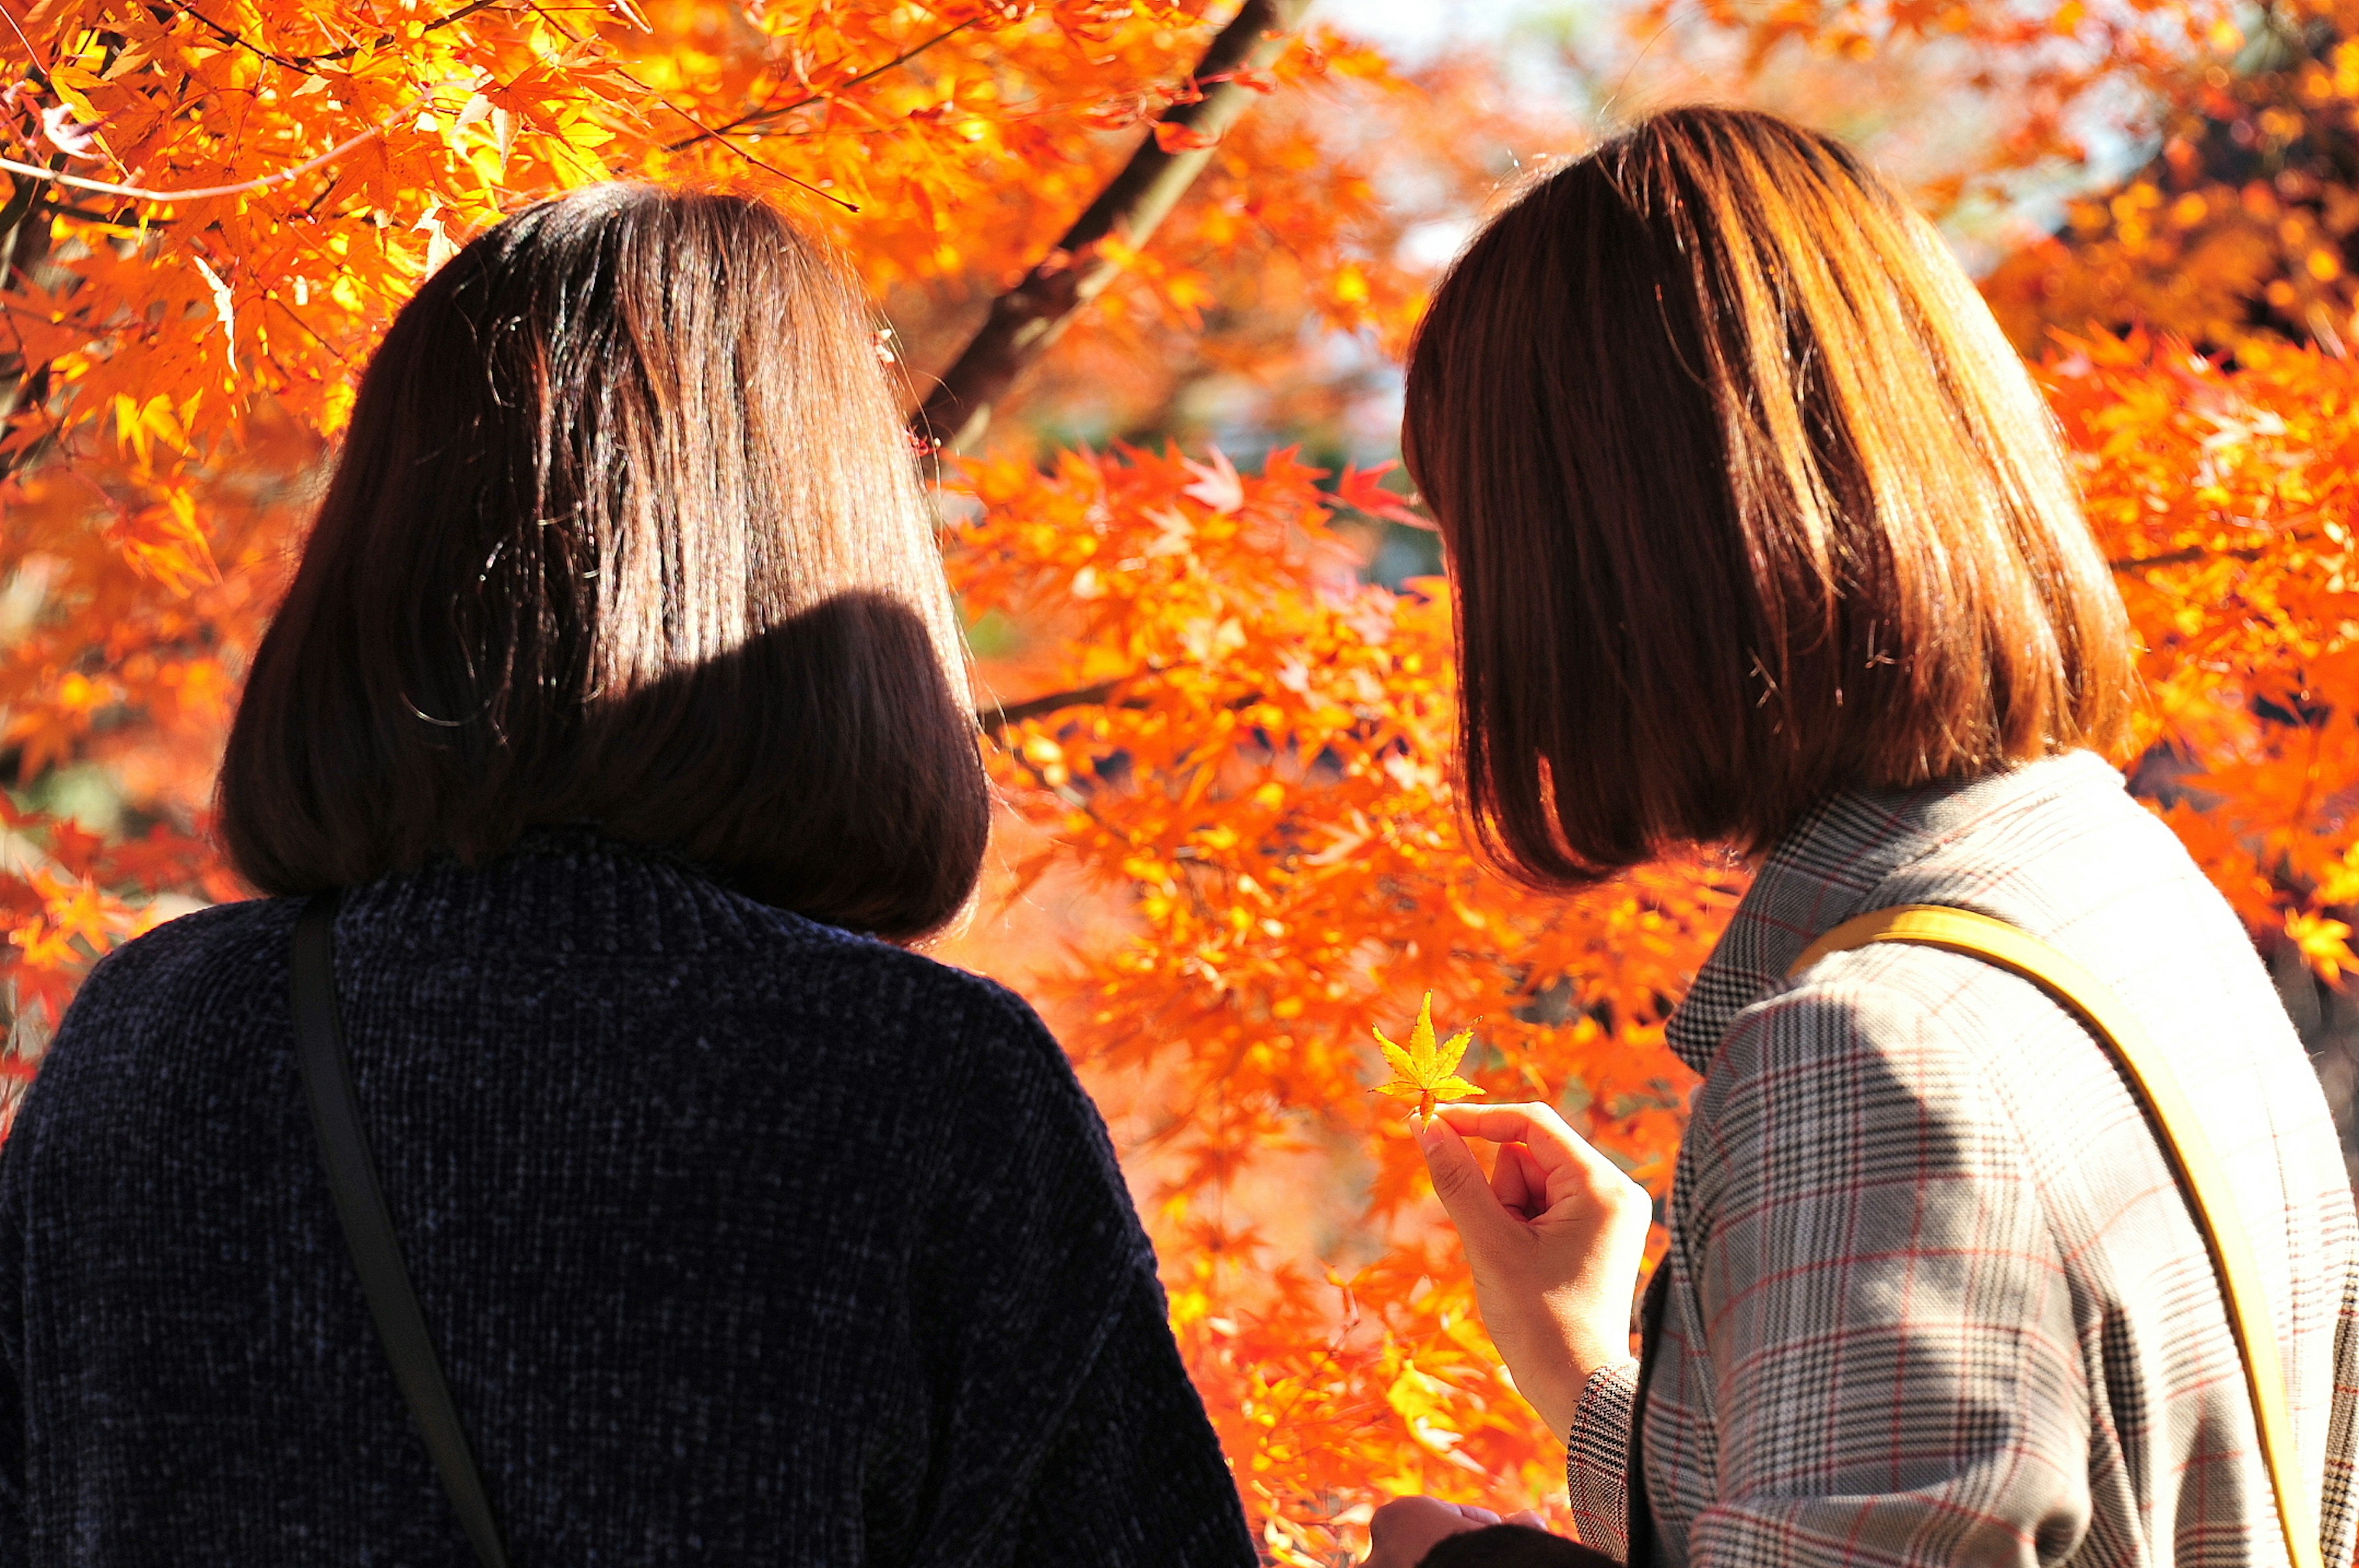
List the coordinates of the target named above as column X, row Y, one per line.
column 207, row 954
column 609, row 907
column 220, row 974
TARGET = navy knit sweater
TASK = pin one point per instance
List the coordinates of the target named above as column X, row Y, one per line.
column 744, row 1242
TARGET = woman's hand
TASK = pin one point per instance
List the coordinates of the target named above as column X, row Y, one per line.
column 1405, row 1529
column 1554, row 1236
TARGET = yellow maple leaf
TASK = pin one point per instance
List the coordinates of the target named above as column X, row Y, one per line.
column 2325, row 944
column 1423, row 1071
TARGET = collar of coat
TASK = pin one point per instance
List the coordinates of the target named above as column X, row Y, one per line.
column 1829, row 867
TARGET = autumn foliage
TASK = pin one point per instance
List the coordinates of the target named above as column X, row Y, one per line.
column 1229, row 845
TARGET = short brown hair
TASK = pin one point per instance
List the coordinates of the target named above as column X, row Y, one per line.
column 626, row 532
column 1746, row 500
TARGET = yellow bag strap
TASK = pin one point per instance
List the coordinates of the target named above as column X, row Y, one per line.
column 2201, row 1179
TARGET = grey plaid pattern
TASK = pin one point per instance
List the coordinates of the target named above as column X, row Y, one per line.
column 1934, row 1297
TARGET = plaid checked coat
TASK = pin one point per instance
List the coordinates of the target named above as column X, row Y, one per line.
column 1934, row 1298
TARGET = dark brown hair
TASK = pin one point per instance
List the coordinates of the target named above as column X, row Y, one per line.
column 626, row 532
column 1745, row 501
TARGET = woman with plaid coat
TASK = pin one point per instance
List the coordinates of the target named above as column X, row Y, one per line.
column 1762, row 537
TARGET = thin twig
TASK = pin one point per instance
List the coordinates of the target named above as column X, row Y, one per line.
column 228, row 36
column 304, row 62
column 760, row 116
column 462, row 14
column 314, row 332
column 704, row 131
column 32, row 55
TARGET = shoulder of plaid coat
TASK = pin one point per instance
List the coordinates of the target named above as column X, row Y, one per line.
column 1934, row 1296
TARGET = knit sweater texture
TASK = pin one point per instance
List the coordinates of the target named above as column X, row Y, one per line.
column 744, row 1240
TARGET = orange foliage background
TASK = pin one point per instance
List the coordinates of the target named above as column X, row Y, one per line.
column 1228, row 843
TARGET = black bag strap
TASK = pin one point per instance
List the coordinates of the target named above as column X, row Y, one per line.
column 368, row 1226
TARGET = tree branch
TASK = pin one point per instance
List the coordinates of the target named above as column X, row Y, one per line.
column 1028, row 318
column 994, row 721
column 2179, row 558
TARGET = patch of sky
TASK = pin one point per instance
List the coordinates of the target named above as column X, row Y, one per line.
column 1926, row 111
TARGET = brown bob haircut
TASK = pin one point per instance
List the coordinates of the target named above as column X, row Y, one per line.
column 1745, row 501
column 626, row 532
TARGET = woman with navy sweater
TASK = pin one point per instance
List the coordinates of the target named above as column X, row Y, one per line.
column 619, row 694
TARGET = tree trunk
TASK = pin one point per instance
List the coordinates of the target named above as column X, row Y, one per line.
column 1028, row 318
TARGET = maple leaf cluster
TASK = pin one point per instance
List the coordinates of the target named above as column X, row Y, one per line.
column 1257, row 754
column 2246, row 223
column 2224, row 498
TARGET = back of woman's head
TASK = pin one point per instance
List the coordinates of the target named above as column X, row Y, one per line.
column 1746, row 500
column 626, row 532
